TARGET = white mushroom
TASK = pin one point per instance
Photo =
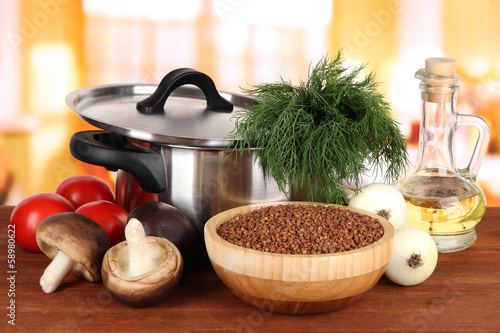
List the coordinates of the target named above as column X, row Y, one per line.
column 142, row 270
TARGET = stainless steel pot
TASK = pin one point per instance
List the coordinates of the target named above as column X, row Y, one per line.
column 173, row 139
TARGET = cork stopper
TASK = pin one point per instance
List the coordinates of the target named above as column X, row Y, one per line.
column 439, row 78
column 441, row 66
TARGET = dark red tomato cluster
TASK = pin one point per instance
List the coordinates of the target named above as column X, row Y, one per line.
column 129, row 194
column 87, row 195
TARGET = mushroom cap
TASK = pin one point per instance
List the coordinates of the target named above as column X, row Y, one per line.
column 77, row 236
column 150, row 288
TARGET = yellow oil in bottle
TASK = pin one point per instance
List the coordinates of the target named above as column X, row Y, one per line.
column 447, row 206
column 445, row 216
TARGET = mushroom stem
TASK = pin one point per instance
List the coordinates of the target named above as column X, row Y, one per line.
column 60, row 267
column 140, row 258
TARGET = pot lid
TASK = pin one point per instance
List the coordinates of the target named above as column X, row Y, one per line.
column 173, row 112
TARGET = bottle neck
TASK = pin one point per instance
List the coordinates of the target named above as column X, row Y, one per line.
column 437, row 128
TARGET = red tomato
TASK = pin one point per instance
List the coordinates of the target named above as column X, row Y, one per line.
column 110, row 216
column 142, row 197
column 122, row 188
column 28, row 214
column 83, row 189
column 129, row 193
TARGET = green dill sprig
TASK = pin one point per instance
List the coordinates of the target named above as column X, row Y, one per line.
column 319, row 133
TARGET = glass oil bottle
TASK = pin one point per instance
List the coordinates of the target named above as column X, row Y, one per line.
column 441, row 199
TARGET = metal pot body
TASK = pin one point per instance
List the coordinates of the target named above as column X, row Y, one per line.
column 202, row 183
column 199, row 182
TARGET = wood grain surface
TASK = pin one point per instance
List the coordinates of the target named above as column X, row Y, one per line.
column 463, row 295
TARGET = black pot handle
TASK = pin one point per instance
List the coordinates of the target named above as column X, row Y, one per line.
column 155, row 103
column 109, row 150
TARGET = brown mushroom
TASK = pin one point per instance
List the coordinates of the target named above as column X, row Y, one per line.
column 76, row 244
column 142, row 270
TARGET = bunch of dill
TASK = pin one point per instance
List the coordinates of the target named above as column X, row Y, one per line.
column 335, row 127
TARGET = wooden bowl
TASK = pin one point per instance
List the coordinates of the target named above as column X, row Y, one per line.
column 292, row 283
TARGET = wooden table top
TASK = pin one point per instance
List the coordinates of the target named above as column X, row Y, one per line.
column 463, row 295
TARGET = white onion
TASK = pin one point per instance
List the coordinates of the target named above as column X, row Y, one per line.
column 383, row 200
column 414, row 257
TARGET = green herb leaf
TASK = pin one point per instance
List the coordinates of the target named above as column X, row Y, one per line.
column 317, row 134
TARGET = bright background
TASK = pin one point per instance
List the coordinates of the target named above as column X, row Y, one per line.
column 49, row 48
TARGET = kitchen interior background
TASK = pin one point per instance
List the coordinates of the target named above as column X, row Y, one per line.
column 51, row 47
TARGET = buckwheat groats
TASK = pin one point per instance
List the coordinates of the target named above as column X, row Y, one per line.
column 301, row 229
